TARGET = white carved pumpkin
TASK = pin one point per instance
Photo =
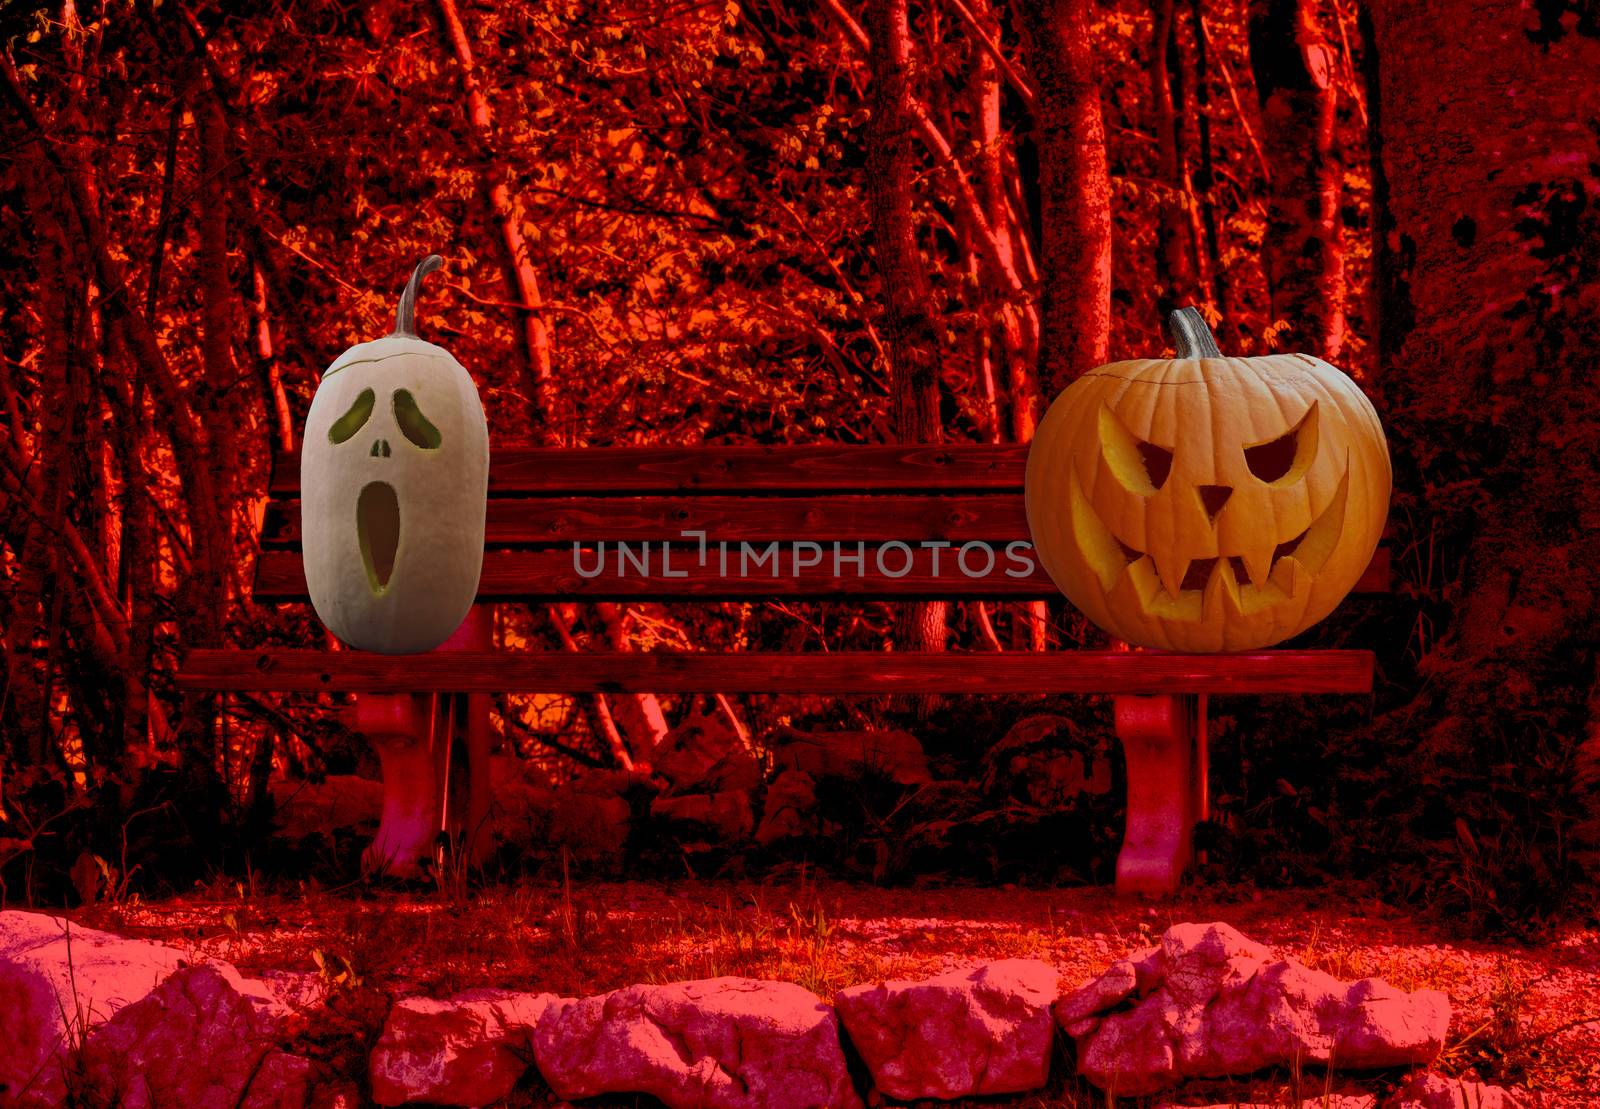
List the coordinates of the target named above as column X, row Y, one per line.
column 394, row 477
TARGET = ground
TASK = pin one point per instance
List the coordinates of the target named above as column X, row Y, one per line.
column 1525, row 1015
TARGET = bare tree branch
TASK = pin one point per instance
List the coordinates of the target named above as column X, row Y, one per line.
column 1016, row 80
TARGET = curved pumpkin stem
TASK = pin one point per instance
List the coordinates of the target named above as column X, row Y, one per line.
column 405, row 316
column 1191, row 335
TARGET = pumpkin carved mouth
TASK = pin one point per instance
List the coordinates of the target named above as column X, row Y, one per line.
column 378, row 528
column 1207, row 582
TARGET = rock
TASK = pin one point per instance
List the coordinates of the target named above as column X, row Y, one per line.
column 725, row 813
column 507, row 771
column 722, row 1043
column 1208, row 1002
column 521, row 797
column 1328, row 1101
column 787, row 809
column 468, row 1050
column 894, row 755
column 590, row 817
column 705, row 755
column 1425, row 1090
column 1117, row 984
column 57, row 983
column 969, row 1033
column 710, row 773
column 204, row 1039
column 125, row 1022
column 301, row 809
column 1382, row 1025
column 1049, row 762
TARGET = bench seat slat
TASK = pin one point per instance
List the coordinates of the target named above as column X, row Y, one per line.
column 819, row 468
column 845, row 672
column 526, row 521
column 549, row 575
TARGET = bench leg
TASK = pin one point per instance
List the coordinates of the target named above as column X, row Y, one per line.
column 1163, row 743
column 397, row 727
column 467, row 797
column 434, row 753
column 467, row 806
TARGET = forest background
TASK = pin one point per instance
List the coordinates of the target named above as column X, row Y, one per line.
column 781, row 222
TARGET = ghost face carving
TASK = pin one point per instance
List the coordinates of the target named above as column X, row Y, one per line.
column 1205, row 503
column 394, row 477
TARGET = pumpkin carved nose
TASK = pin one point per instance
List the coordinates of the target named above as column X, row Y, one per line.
column 1213, row 497
column 380, row 448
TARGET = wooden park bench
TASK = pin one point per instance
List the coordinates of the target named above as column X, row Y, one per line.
column 889, row 499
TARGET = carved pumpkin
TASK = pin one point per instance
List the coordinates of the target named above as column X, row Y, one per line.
column 394, row 476
column 1203, row 503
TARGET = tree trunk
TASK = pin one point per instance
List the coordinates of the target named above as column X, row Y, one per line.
column 1293, row 68
column 1488, row 255
column 1019, row 335
column 644, row 716
column 983, row 104
column 520, row 273
column 1174, row 274
column 1205, row 180
column 28, row 618
column 1017, row 331
column 1074, row 191
column 137, row 553
column 640, row 714
column 216, row 350
column 277, row 399
column 19, row 693
column 213, row 531
column 136, row 576
column 910, row 334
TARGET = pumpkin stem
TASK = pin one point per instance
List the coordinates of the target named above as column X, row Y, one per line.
column 1191, row 335
column 405, row 316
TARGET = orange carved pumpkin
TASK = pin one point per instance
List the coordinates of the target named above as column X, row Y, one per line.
column 1204, row 503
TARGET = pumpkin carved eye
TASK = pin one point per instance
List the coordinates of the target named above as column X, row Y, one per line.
column 1285, row 459
column 413, row 424
column 352, row 421
column 1140, row 466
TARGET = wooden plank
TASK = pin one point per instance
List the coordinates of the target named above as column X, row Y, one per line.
column 821, row 468
column 827, row 517
column 847, row 672
column 550, row 575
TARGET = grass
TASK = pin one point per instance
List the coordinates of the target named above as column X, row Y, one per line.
column 366, row 946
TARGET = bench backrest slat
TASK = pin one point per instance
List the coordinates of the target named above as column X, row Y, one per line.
column 564, row 471
column 551, row 575
column 535, row 521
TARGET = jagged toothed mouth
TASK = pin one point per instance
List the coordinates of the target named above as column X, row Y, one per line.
column 1206, row 581
column 378, row 528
